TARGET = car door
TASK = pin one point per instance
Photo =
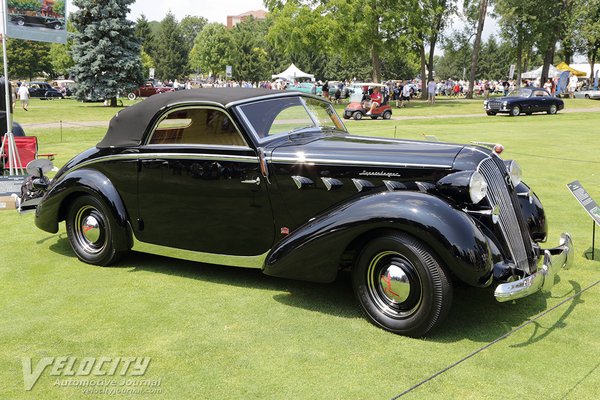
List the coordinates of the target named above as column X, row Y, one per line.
column 200, row 186
column 542, row 100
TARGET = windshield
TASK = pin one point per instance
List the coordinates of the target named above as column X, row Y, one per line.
column 357, row 95
column 291, row 114
column 522, row 92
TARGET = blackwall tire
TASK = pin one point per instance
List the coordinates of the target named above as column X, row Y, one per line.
column 91, row 231
column 387, row 115
column 553, row 109
column 515, row 111
column 357, row 115
column 401, row 286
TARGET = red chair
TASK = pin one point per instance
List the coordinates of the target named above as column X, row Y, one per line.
column 27, row 146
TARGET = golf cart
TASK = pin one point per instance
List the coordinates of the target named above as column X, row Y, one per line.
column 360, row 103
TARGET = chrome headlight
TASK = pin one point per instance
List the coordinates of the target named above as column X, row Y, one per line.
column 463, row 186
column 514, row 171
column 505, row 104
column 477, row 187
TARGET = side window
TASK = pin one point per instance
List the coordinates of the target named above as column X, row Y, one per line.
column 197, row 126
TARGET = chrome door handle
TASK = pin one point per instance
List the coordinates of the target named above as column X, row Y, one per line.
column 252, row 181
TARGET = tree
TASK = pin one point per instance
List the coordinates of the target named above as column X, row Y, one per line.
column 60, row 54
column 300, row 34
column 190, row 28
column 211, row 49
column 105, row 50
column 171, row 54
column 250, row 61
column 426, row 19
column 143, row 32
column 28, row 59
column 457, row 51
column 476, row 46
column 517, row 24
column 587, row 18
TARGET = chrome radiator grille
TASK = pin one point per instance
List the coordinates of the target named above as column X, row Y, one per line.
column 494, row 105
column 513, row 228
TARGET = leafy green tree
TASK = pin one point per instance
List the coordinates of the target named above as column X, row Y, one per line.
column 171, row 54
column 211, row 49
column 105, row 49
column 457, row 51
column 28, row 59
column 517, row 20
column 60, row 54
column 481, row 14
column 586, row 16
column 300, row 33
column 190, row 28
column 425, row 21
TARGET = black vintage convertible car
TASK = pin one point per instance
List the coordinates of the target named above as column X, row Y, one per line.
column 525, row 100
column 272, row 180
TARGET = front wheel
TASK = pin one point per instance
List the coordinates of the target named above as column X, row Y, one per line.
column 490, row 113
column 401, row 286
column 553, row 109
column 387, row 115
column 131, row 96
column 91, row 231
column 515, row 111
column 357, row 115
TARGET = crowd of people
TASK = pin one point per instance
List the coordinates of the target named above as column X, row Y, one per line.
column 400, row 92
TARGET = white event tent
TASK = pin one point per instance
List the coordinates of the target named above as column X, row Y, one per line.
column 292, row 73
column 553, row 72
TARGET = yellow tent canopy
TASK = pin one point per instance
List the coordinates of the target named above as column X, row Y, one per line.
column 563, row 66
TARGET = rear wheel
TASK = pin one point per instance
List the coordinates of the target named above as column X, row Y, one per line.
column 515, row 111
column 357, row 115
column 91, row 230
column 401, row 286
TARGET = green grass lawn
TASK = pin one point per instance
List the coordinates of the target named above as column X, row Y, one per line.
column 216, row 332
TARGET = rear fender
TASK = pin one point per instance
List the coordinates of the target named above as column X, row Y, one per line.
column 313, row 251
column 53, row 207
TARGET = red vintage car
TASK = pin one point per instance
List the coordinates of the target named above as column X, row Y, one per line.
column 149, row 89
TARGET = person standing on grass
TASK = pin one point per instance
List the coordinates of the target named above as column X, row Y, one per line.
column 431, row 92
column 24, row 96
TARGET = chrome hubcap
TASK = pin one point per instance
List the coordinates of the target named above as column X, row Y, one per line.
column 90, row 230
column 394, row 283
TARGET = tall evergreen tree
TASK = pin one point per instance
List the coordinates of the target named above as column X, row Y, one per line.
column 171, row 54
column 143, row 32
column 105, row 49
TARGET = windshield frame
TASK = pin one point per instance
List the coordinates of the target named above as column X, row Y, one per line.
column 304, row 101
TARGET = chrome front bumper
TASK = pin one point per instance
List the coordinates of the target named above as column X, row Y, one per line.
column 542, row 280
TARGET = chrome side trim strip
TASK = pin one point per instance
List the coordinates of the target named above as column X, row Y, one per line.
column 185, row 156
column 296, row 160
column 255, row 262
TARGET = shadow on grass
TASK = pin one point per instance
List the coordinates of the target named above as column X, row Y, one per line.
column 592, row 251
column 475, row 314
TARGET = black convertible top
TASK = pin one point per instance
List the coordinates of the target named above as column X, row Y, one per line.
column 128, row 126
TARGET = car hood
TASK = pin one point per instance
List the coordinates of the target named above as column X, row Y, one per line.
column 367, row 151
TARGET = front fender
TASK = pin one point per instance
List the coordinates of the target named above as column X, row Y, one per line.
column 314, row 250
column 52, row 208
